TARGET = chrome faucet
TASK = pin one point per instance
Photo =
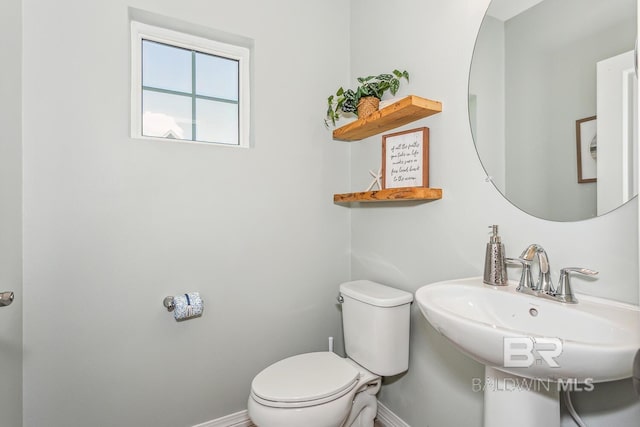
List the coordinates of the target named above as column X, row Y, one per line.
column 544, row 286
column 544, row 283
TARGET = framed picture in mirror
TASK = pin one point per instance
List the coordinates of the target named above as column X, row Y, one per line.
column 587, row 149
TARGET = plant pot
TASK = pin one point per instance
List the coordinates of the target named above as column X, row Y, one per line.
column 367, row 105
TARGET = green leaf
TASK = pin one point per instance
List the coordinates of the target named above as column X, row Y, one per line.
column 395, row 84
column 365, row 79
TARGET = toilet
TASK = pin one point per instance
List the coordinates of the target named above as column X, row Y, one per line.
column 322, row 389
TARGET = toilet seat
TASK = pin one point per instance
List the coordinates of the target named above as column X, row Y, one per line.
column 304, row 380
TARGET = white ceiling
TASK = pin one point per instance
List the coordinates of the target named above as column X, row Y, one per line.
column 506, row 9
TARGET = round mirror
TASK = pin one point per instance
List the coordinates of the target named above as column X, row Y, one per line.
column 553, row 104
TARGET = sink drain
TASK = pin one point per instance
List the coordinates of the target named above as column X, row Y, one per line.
column 533, row 312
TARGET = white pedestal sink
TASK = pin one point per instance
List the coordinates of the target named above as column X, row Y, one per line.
column 511, row 400
column 532, row 347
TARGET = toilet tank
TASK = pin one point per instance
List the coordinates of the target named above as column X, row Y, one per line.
column 375, row 320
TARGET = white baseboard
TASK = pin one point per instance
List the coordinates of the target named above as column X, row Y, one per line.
column 241, row 419
column 388, row 419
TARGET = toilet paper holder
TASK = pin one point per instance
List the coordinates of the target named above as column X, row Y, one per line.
column 186, row 306
column 168, row 303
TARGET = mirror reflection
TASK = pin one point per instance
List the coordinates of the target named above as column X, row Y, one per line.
column 553, row 102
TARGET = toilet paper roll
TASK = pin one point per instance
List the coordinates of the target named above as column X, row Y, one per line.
column 187, row 306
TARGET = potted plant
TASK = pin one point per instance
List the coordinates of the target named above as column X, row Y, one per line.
column 365, row 99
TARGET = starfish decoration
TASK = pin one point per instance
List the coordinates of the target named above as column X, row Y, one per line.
column 376, row 180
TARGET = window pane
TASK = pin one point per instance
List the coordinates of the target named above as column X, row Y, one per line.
column 166, row 67
column 216, row 76
column 217, row 122
column 165, row 115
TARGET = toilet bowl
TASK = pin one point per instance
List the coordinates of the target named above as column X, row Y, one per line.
column 312, row 390
column 322, row 389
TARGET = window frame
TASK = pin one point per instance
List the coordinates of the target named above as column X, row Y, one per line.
column 141, row 31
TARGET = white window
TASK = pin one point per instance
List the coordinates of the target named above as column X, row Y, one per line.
column 188, row 88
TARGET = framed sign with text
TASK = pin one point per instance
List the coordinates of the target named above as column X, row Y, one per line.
column 405, row 159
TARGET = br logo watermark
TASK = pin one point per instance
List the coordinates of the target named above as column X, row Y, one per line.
column 518, row 384
column 524, row 352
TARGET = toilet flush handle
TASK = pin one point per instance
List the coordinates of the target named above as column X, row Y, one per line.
column 340, row 299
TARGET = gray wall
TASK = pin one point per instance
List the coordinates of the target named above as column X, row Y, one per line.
column 10, row 213
column 411, row 245
column 113, row 225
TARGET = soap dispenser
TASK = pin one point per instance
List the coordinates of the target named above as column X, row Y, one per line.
column 495, row 266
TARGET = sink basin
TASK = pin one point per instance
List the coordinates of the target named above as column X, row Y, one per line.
column 592, row 341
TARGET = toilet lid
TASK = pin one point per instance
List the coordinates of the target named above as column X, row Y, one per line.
column 305, row 377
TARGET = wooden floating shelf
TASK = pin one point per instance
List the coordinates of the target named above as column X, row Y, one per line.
column 391, row 195
column 401, row 112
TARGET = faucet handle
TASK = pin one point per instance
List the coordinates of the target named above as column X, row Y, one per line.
column 526, row 281
column 564, row 292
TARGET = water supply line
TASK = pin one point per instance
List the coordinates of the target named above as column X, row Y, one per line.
column 571, row 409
